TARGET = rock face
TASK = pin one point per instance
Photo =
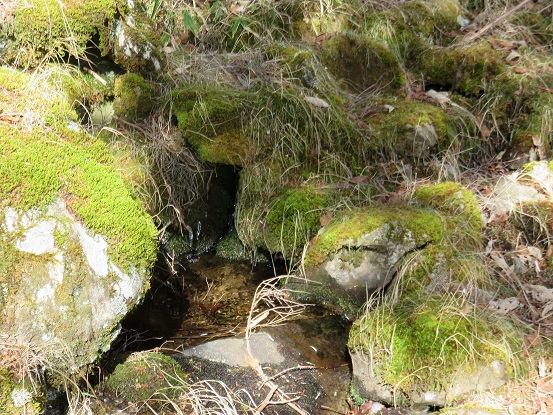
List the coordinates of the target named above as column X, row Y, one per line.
column 359, row 254
column 66, row 289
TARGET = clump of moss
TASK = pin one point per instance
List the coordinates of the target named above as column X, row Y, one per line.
column 50, row 28
column 363, row 62
column 425, row 344
column 464, row 215
column 466, row 69
column 294, row 219
column 230, row 247
column 213, row 120
column 407, row 128
column 432, row 20
column 146, row 377
column 133, row 97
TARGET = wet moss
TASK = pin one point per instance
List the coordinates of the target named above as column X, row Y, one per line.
column 133, row 97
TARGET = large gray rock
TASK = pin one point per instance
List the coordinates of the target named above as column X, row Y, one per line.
column 64, row 291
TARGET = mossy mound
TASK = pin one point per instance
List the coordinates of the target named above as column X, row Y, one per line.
column 49, row 29
column 466, row 69
column 133, row 97
column 406, row 129
column 435, row 348
column 362, row 62
column 214, row 120
column 461, row 206
column 146, row 377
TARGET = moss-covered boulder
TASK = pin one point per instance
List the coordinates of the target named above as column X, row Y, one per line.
column 430, row 351
column 362, row 62
column 428, row 248
column 48, row 30
column 133, row 97
column 147, row 380
column 361, row 251
column 77, row 246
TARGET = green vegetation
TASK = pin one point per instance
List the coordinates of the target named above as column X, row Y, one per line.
column 16, row 399
column 429, row 341
column 146, row 377
column 48, row 29
column 39, row 165
column 133, row 97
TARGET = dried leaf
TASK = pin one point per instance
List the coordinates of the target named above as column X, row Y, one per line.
column 514, row 55
column 532, row 340
column 358, row 179
column 325, row 219
column 317, row 102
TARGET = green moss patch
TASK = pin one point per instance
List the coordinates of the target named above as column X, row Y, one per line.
column 46, row 27
column 362, row 62
column 146, row 377
column 426, row 343
column 133, row 97
column 423, row 226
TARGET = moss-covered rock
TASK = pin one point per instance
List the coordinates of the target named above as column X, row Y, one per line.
column 49, row 30
column 406, row 129
column 214, row 120
column 146, row 377
column 362, row 62
column 77, row 246
column 133, row 97
column 429, row 351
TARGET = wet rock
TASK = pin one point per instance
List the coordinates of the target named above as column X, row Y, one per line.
column 293, row 349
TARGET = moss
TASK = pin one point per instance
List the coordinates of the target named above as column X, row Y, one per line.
column 230, row 247
column 133, row 97
column 466, row 69
column 464, row 215
column 407, row 128
column 426, row 343
column 17, row 399
column 50, row 28
column 362, row 62
column 294, row 219
column 432, row 20
column 39, row 165
column 424, row 227
column 213, row 119
column 146, row 377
